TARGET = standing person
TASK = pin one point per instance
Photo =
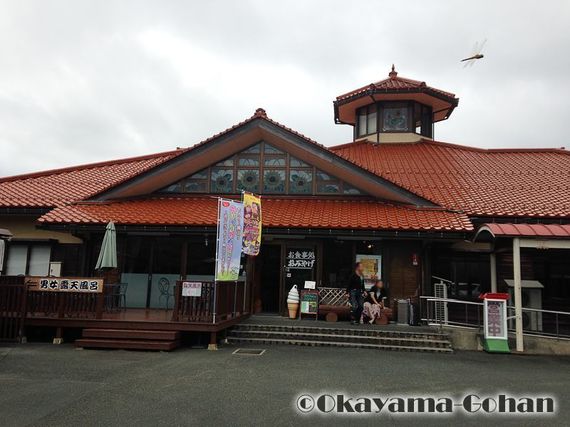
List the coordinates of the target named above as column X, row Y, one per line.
column 355, row 292
column 374, row 303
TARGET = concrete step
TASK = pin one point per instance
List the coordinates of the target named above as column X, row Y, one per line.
column 362, row 336
column 127, row 344
column 131, row 334
column 316, row 343
column 405, row 341
column 361, row 330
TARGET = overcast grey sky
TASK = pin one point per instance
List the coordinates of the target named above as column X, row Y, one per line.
column 84, row 81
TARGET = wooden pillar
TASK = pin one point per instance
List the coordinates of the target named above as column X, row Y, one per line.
column 493, row 264
column 100, row 304
column 213, row 341
column 518, row 293
column 58, row 339
column 184, row 260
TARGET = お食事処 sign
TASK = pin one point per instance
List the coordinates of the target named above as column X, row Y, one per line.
column 301, row 259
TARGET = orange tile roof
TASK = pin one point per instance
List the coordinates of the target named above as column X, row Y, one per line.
column 505, row 182
column 550, row 231
column 524, row 183
column 284, row 212
column 59, row 186
column 395, row 83
column 56, row 187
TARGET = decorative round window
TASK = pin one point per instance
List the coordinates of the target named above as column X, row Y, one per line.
column 222, row 181
column 248, row 179
column 301, row 182
column 274, row 181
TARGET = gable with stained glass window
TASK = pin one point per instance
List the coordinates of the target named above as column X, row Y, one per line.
column 262, row 169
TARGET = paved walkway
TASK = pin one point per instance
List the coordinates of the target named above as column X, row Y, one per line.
column 48, row 385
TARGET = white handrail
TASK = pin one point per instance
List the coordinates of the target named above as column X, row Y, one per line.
column 428, row 298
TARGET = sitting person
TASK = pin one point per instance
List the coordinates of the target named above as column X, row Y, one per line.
column 374, row 303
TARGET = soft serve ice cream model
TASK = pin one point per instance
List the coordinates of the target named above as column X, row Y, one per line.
column 293, row 302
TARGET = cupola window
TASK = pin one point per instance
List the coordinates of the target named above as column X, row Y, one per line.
column 394, row 110
column 385, row 117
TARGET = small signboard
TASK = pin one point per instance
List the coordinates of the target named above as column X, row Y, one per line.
column 65, row 284
column 495, row 322
column 191, row 289
column 310, row 284
column 309, row 303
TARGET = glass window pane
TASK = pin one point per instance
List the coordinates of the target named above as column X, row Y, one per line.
column 328, row 187
column 248, row 179
column 323, row 176
column 296, row 163
column 362, row 122
column 222, row 180
column 39, row 260
column 270, row 149
column 275, row 161
column 227, row 162
column 372, row 120
column 17, row 258
column 327, row 183
column 395, row 119
column 300, row 181
column 175, row 188
column 203, row 174
column 274, row 181
column 349, row 189
column 195, row 186
column 249, row 161
column 253, row 149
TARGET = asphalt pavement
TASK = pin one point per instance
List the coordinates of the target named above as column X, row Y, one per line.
column 57, row 385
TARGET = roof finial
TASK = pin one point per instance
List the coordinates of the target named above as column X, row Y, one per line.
column 393, row 73
column 260, row 112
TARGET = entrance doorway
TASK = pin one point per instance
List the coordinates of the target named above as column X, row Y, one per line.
column 278, row 267
column 300, row 266
column 270, row 267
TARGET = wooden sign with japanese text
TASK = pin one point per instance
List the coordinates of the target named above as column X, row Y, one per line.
column 65, row 284
column 301, row 259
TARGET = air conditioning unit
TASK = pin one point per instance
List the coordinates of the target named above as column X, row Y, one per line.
column 440, row 291
column 531, row 293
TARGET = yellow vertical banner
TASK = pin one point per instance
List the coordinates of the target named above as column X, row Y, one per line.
column 251, row 224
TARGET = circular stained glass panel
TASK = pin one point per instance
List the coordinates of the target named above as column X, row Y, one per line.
column 248, row 179
column 300, row 181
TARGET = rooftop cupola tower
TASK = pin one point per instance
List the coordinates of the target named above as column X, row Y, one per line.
column 395, row 109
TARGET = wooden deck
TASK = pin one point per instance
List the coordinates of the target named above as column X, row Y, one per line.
column 137, row 318
column 220, row 306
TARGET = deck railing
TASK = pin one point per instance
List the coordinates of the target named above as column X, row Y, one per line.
column 218, row 301
column 65, row 305
column 545, row 323
column 13, row 298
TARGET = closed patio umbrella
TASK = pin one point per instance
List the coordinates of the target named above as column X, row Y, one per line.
column 108, row 254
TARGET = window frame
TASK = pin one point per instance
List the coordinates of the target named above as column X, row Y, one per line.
column 425, row 115
column 28, row 245
column 180, row 186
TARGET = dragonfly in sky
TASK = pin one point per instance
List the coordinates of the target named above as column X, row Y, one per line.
column 476, row 54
